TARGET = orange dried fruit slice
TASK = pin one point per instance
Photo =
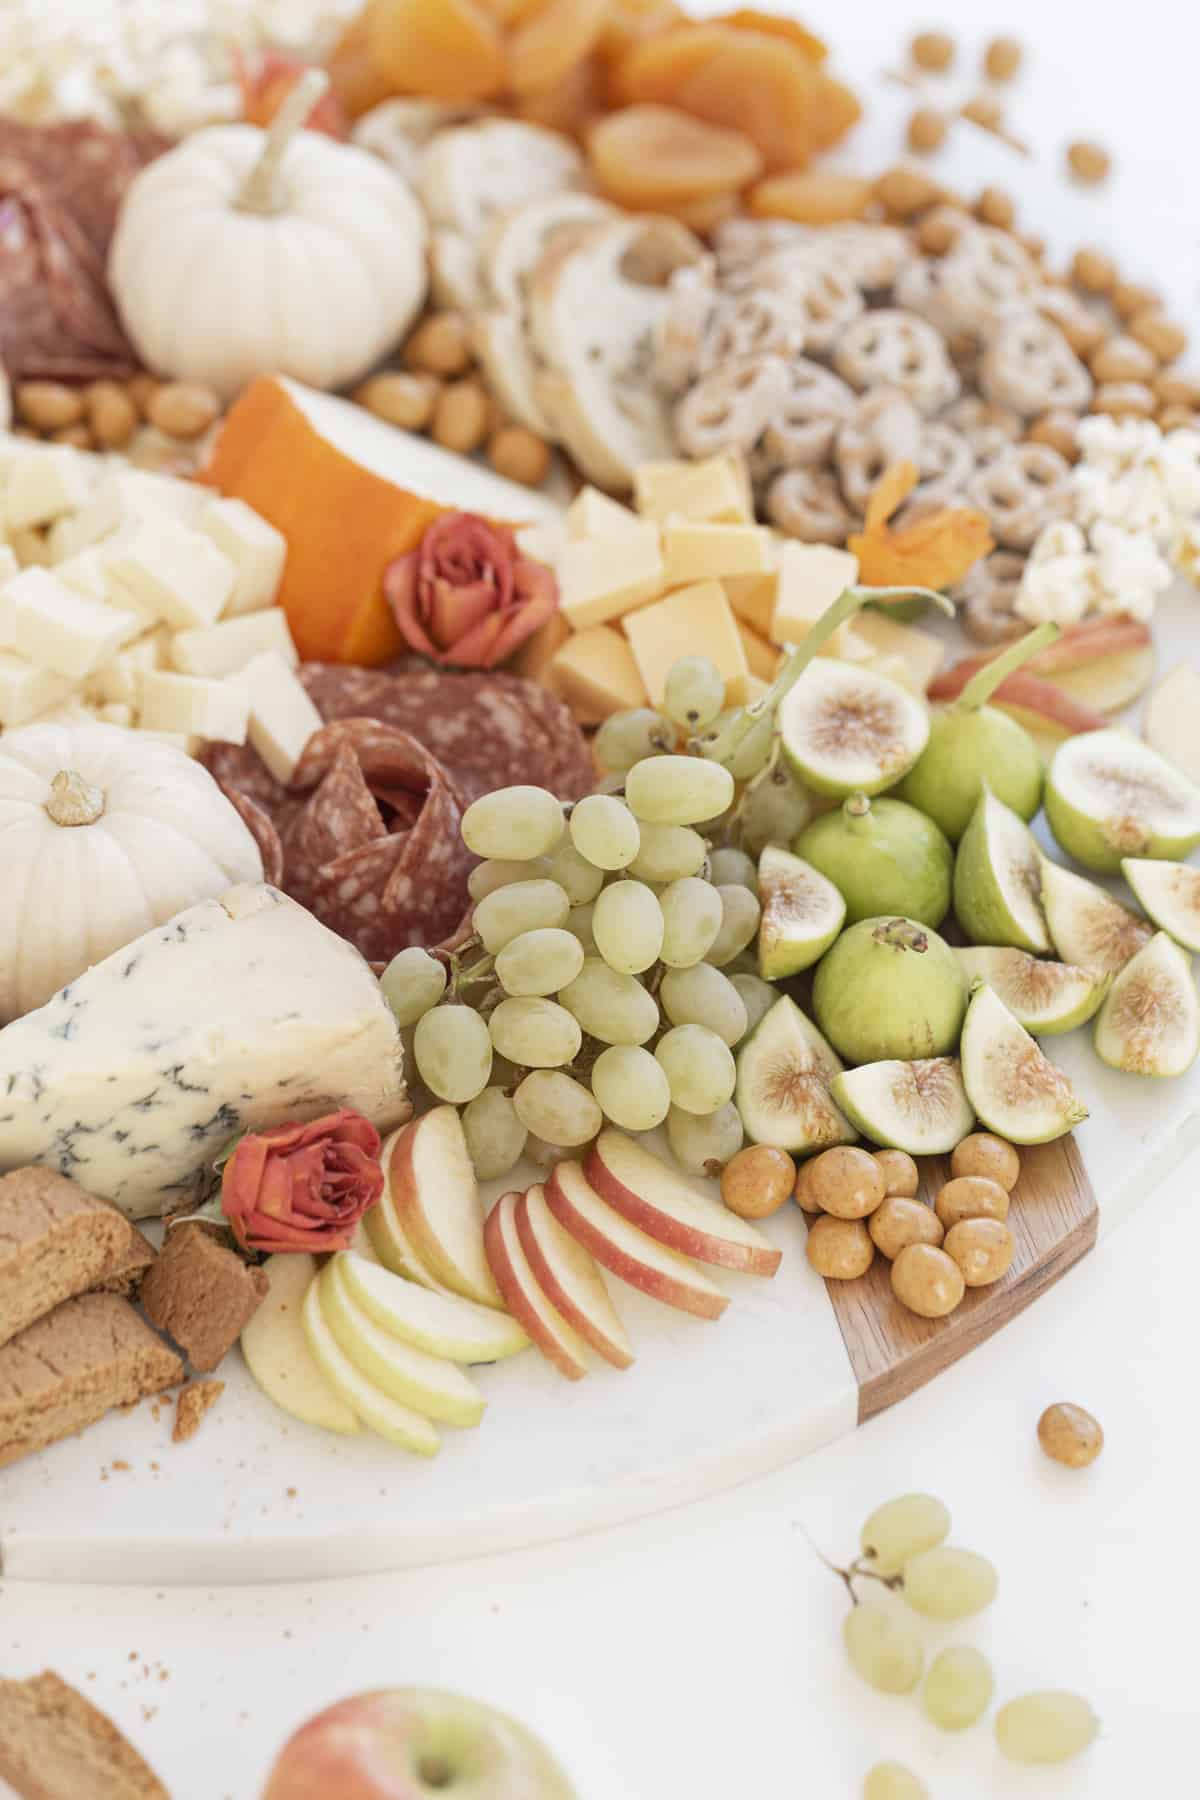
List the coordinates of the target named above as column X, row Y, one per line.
column 656, row 155
column 812, row 197
column 355, row 79
column 762, row 87
column 571, row 104
column 630, row 22
column 656, row 68
column 791, row 30
column 548, row 46
column 703, row 216
column 837, row 109
column 440, row 49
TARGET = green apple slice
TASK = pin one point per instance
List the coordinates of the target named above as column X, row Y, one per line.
column 784, row 1069
column 1045, row 997
column 997, row 879
column 846, row 730
column 1150, row 1022
column 1108, row 796
column 921, row 1107
column 277, row 1353
column 802, row 913
column 384, row 1230
column 1170, row 893
column 1088, row 927
column 440, row 1324
column 377, row 1410
column 1015, row 1090
column 429, row 1384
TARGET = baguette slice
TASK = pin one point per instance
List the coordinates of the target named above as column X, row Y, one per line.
column 55, row 1745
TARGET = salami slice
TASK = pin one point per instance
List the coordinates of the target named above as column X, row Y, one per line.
column 262, row 829
column 338, row 818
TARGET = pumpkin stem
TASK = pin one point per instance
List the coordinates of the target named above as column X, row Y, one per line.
column 74, row 801
column 259, row 193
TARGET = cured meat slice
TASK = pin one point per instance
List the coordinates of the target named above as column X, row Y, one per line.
column 261, row 827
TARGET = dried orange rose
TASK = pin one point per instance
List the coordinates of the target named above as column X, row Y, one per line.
column 933, row 552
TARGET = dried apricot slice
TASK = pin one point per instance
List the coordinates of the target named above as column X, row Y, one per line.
column 354, row 77
column 441, row 49
column 651, row 155
column 747, row 19
column 812, row 197
column 837, row 109
column 703, row 216
column 760, row 86
column 656, row 68
column 548, row 46
column 630, row 22
column 571, row 104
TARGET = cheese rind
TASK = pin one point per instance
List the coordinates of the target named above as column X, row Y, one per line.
column 216, row 710
column 26, row 691
column 172, row 572
column 222, row 649
column 696, row 620
column 600, row 579
column 595, row 672
column 58, row 628
column 256, row 549
column 282, row 717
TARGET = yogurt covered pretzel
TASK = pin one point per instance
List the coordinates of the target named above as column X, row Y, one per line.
column 1022, row 490
column 801, row 430
column 730, row 408
column 1029, row 366
column 807, row 503
column 900, row 350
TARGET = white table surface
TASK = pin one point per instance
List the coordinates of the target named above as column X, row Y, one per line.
column 697, row 1654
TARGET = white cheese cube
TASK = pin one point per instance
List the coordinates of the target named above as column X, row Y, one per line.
column 282, row 717
column 53, row 625
column 593, row 514
column 46, row 481
column 189, row 743
column 541, row 543
column 119, row 681
column 113, row 713
column 216, row 710
column 599, row 579
column 64, row 538
column 226, row 647
column 26, row 690
column 88, row 573
column 8, row 564
column 71, row 711
column 127, row 496
column 172, row 573
column 256, row 550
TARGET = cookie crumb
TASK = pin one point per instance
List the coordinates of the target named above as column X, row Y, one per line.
column 191, row 1406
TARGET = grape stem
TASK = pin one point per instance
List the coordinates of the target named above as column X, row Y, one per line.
column 985, row 681
column 857, row 1570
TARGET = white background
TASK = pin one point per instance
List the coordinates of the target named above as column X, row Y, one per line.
column 697, row 1655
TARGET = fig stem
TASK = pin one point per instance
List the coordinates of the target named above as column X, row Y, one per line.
column 985, row 681
column 857, row 808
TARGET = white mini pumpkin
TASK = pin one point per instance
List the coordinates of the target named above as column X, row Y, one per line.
column 103, row 835
column 245, row 252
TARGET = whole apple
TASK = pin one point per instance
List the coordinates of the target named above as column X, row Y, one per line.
column 411, row 1744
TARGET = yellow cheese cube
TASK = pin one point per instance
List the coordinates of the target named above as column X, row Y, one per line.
column 534, row 657
column 695, row 550
column 541, row 543
column 920, row 653
column 693, row 621
column 593, row 514
column 716, row 491
column 601, row 578
column 752, row 598
column 596, row 674
column 762, row 658
column 811, row 576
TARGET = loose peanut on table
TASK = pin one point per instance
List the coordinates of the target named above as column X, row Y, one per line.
column 905, row 192
column 983, row 1153
column 48, row 405
column 985, row 111
column 1131, row 298
column 182, row 409
column 900, row 1173
column 900, row 1222
column 1178, row 390
column 520, row 454
column 1070, row 1435
column 1088, row 162
column 982, row 1248
column 940, row 229
column 440, row 345
column 1161, row 336
column 927, row 1281
column 840, row 1249
column 757, row 1181
column 140, row 388
column 460, row 418
column 76, row 435
column 932, row 50
column 926, row 130
column 1060, row 430
column 111, row 414
column 1122, row 359
column 995, row 207
column 1094, row 272
column 400, row 397
column 1002, row 59
column 971, row 1197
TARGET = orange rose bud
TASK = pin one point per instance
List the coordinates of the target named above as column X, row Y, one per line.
column 302, row 1187
column 467, row 598
column 933, row 552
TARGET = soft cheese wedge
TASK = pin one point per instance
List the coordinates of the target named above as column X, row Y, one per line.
column 429, row 1384
column 626, row 1251
column 377, row 1410
column 558, row 1341
column 277, row 1353
column 652, row 1196
column 436, row 1196
column 570, row 1279
column 439, row 1324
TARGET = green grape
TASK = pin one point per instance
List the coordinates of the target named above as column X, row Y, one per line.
column 753, row 753
column 495, row 1135
column 486, row 877
column 557, row 1108
column 703, row 1143
column 668, row 853
column 610, row 1006
column 627, row 737
column 701, row 995
column 758, row 997
column 892, row 1781
column 522, row 906
column 579, row 924
column 944, row 1583
column 631, row 1087
column 1046, row 1727
column 539, row 962
column 884, row 1646
column 515, row 823
column 413, row 982
column 627, row 924
column 453, row 1053
column 580, row 880
column 694, row 692
column 899, row 1528
column 677, row 790
column 733, row 866
column 739, row 923
column 535, row 1033
column 773, row 810
column 604, row 831
column 692, row 913
column 698, row 1065
column 958, row 1687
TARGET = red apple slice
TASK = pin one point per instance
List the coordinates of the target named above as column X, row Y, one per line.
column 432, row 1184
column 569, row 1277
column 556, row 1340
column 649, row 1193
column 627, row 1252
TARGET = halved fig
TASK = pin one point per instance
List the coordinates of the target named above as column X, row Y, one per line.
column 1150, row 1022
column 802, row 913
column 1108, row 796
column 784, row 1069
column 1015, row 1090
column 997, row 879
column 1170, row 893
column 1087, row 926
column 847, row 730
column 921, row 1107
column 1045, row 997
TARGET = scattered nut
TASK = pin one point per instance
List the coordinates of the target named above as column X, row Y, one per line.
column 995, row 207
column 77, row 435
column 982, row 1248
column 406, row 400
column 971, row 1197
column 520, row 454
column 460, row 418
column 1130, row 298
column 1124, row 400
column 140, row 388
column 48, row 405
column 1060, row 430
column 1070, row 1435
column 926, row 1280
column 183, row 409
column 440, row 345
column 985, row 111
column 1161, row 336
column 844, row 1181
column 1122, row 359
column 926, row 130
column 932, row 50
column 1035, row 246
column 901, row 1221
column 1094, row 272
column 900, row 1173
column 1177, row 418
column 1088, row 162
column 1178, row 390
column 939, row 230
column 982, row 1153
column 905, row 192
column 111, row 414
column 756, row 1182
column 1002, row 59
column 840, row 1249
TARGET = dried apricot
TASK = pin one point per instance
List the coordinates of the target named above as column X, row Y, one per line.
column 656, row 68
column 703, row 216
column 812, row 197
column 652, row 154
column 571, row 104
column 759, row 86
column 547, row 47
column 631, row 22
column 355, row 79
column 442, row 49
column 747, row 19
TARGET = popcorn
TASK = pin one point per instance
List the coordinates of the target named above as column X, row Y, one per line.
column 1130, row 571
column 1059, row 585
column 1178, row 459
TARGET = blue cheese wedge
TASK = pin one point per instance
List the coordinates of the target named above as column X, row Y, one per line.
column 237, row 1013
column 58, row 628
